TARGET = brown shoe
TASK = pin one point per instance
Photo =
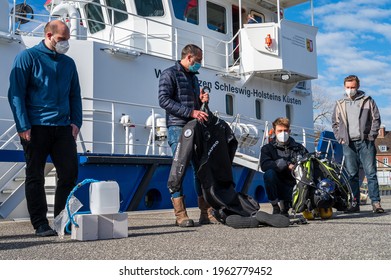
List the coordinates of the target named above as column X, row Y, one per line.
column 182, row 219
column 206, row 216
column 376, row 206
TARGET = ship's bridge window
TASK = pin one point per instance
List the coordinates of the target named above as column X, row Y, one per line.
column 186, row 10
column 216, row 16
column 149, row 8
column 94, row 15
column 229, row 105
column 118, row 16
column 256, row 17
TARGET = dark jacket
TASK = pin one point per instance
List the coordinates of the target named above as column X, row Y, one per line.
column 178, row 94
column 277, row 156
column 44, row 89
column 369, row 120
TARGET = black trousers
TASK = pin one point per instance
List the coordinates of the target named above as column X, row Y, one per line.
column 58, row 142
column 277, row 187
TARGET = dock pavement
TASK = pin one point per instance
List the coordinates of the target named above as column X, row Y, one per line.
column 153, row 236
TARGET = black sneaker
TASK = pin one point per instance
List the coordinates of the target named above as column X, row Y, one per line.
column 286, row 205
column 299, row 221
column 285, row 212
column 276, row 209
column 353, row 209
column 45, row 230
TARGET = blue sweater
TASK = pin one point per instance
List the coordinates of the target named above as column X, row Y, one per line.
column 44, row 89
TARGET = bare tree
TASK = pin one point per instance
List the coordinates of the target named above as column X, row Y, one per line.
column 323, row 108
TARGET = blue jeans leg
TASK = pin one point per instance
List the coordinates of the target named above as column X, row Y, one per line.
column 174, row 133
column 363, row 152
column 368, row 159
column 352, row 167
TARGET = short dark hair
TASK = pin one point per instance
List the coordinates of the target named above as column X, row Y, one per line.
column 281, row 121
column 190, row 49
column 351, row 78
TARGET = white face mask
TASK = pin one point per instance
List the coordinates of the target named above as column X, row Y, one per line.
column 350, row 92
column 61, row 47
column 282, row 137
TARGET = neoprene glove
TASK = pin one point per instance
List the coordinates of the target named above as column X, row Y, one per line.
column 281, row 164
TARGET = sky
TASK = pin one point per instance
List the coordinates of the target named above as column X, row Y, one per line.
column 353, row 38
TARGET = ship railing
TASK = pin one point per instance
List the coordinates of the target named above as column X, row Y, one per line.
column 124, row 121
column 231, row 54
column 105, row 117
column 9, row 169
column 118, row 121
column 120, row 36
column 165, row 37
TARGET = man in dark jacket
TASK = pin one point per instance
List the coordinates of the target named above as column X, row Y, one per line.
column 277, row 161
column 356, row 124
column 181, row 97
column 45, row 99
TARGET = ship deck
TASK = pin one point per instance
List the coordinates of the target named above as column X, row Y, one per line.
column 153, row 236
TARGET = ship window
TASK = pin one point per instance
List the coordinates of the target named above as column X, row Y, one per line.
column 229, row 105
column 216, row 16
column 259, row 18
column 186, row 10
column 118, row 16
column 149, row 8
column 258, row 109
column 301, row 85
column 95, row 16
column 289, row 113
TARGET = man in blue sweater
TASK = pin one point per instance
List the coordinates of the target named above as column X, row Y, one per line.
column 45, row 100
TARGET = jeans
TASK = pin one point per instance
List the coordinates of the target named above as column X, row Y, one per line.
column 174, row 133
column 277, row 187
column 363, row 152
column 58, row 142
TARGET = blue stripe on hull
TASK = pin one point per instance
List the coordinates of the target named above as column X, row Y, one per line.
column 143, row 182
